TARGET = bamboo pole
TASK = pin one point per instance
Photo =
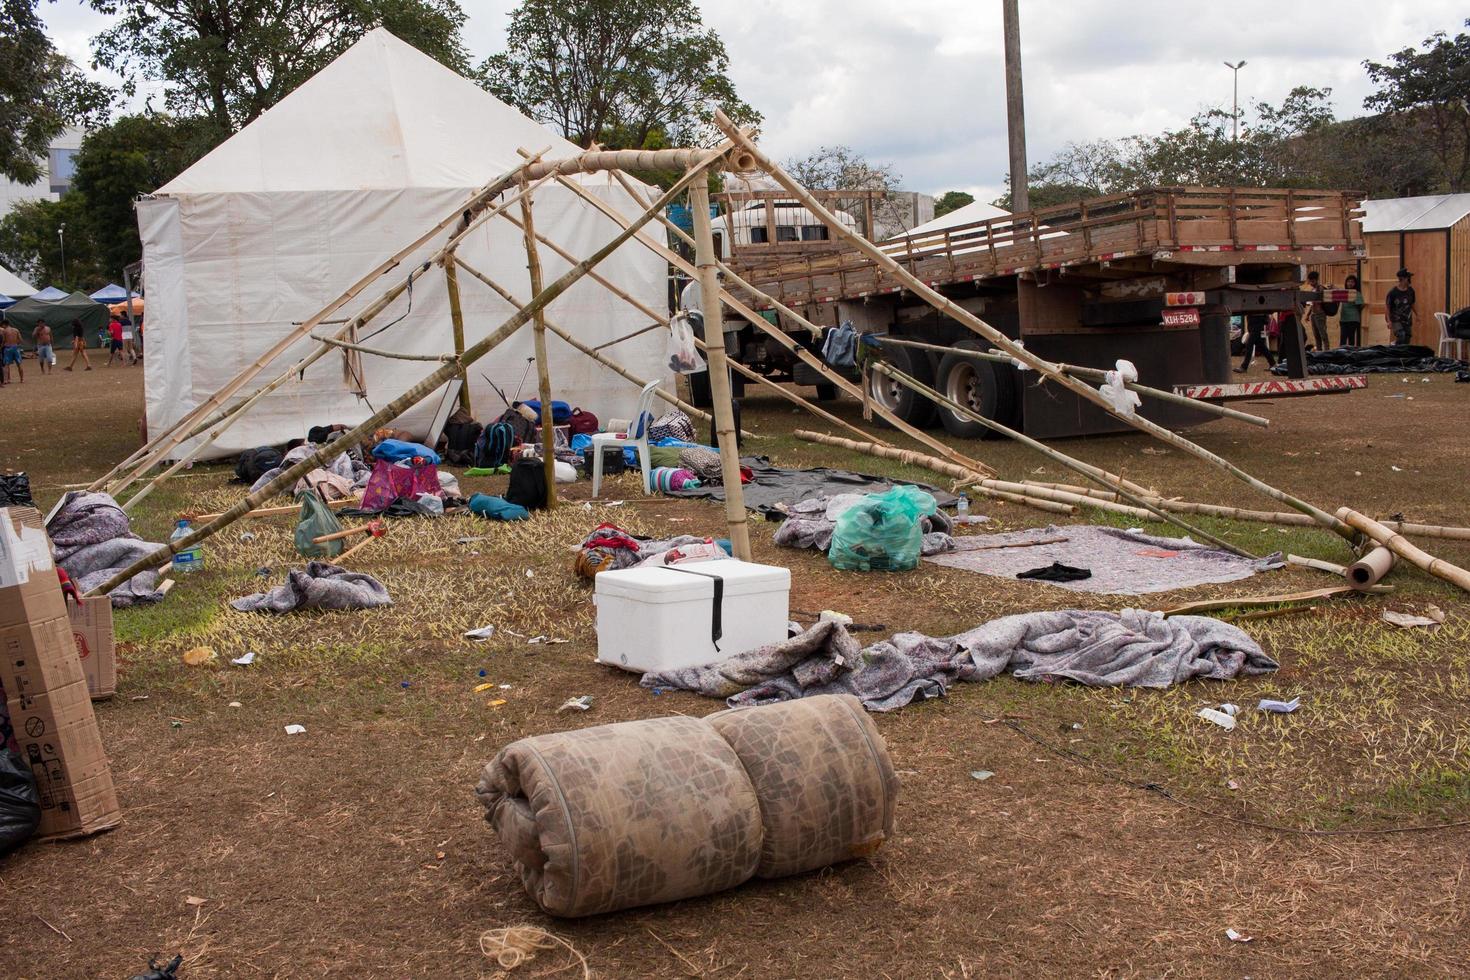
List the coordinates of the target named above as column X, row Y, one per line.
column 408, row 399
column 576, row 344
column 281, row 511
column 1210, row 605
column 456, row 320
column 393, row 354
column 591, row 161
column 1371, row 568
column 354, row 549
column 543, row 370
column 1095, row 374
column 942, row 466
column 1331, row 568
column 1404, row 548
column 1074, row 464
column 475, row 203
column 983, row 329
column 719, row 371
column 780, row 337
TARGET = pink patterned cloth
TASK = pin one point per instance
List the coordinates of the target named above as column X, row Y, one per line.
column 391, row 481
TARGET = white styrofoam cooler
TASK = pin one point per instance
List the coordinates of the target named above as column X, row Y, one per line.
column 661, row 618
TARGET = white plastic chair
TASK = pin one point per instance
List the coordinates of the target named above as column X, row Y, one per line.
column 602, row 440
column 1457, row 344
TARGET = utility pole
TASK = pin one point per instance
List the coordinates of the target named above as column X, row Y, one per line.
column 1015, row 107
column 1235, row 116
column 61, row 237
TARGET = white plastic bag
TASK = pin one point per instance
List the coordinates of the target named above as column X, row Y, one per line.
column 1115, row 390
column 683, row 354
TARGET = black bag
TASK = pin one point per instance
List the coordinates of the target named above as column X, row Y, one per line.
column 613, row 460
column 255, row 463
column 528, row 484
column 20, row 806
column 15, row 490
column 522, row 428
column 1459, row 325
column 459, row 442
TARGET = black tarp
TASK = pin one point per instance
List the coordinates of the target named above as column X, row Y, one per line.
column 1378, row 359
column 58, row 315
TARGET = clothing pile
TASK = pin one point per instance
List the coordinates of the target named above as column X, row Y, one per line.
column 812, row 521
column 405, row 475
column 337, row 480
column 92, row 541
column 1378, row 359
column 320, row 585
column 1133, row 648
column 610, row 547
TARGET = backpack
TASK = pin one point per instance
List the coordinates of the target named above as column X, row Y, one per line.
column 255, row 463
column 582, row 423
column 527, row 484
column 522, row 429
column 492, row 448
column 460, row 440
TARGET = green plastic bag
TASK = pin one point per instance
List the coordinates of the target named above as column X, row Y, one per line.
column 316, row 520
column 883, row 533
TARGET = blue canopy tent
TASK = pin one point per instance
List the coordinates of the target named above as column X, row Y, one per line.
column 5, row 301
column 50, row 294
column 112, row 293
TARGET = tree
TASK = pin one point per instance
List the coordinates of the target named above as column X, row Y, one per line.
column 230, row 60
column 132, row 156
column 40, row 93
column 30, row 243
column 1434, row 85
column 622, row 73
column 951, row 201
column 832, row 168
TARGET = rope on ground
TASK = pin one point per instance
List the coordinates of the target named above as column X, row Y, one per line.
column 515, row 946
column 1159, row 790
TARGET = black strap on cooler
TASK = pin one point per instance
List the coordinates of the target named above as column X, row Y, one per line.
column 716, row 630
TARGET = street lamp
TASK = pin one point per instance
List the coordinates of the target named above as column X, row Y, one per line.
column 1235, row 96
column 61, row 237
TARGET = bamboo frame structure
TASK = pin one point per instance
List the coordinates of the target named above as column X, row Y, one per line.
column 433, row 382
column 456, row 318
column 543, row 370
column 978, row 326
column 1404, row 548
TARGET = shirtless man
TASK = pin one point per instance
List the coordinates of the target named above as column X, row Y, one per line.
column 42, row 336
column 10, row 352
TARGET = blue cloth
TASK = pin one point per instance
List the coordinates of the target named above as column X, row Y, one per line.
column 560, row 411
column 839, row 347
column 630, row 455
column 396, row 450
column 581, row 441
column 497, row 508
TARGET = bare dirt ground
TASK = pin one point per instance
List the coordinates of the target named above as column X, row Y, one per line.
column 357, row 849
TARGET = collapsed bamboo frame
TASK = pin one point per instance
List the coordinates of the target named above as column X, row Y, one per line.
column 543, row 369
column 426, row 387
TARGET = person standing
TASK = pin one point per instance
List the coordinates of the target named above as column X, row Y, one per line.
column 114, row 341
column 42, row 336
column 130, row 349
column 1400, row 309
column 1316, row 313
column 78, row 345
column 1255, row 341
column 1350, row 315
column 10, row 352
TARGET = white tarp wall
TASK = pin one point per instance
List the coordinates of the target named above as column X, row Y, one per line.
column 361, row 160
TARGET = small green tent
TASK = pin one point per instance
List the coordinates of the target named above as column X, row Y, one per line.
column 58, row 314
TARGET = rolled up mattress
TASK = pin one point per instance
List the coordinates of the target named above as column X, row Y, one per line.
column 623, row 815
column 821, row 771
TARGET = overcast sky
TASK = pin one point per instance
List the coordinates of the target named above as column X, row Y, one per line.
column 919, row 83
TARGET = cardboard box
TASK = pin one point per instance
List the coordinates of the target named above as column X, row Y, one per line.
column 47, row 705
column 91, row 629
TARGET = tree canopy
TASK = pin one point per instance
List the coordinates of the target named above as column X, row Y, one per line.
column 951, row 201
column 622, row 73
column 1433, row 86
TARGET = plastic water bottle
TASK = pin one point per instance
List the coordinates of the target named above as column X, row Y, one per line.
column 191, row 559
column 962, row 506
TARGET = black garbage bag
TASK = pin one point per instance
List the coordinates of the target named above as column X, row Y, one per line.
column 15, row 490
column 167, row 971
column 20, row 806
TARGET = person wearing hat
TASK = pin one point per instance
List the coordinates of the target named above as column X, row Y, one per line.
column 1400, row 309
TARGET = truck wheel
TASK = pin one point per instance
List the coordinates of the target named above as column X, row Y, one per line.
column 899, row 399
column 984, row 387
column 826, row 392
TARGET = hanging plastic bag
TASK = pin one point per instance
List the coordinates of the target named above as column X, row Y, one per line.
column 683, row 353
column 882, row 533
column 316, row 520
column 1115, row 388
column 20, row 807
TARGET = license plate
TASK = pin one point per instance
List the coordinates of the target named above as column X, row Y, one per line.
column 1181, row 318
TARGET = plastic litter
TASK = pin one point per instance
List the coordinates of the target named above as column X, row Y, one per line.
column 236, row 704
column 483, row 633
column 1220, row 718
column 832, row 616
column 1279, row 707
column 191, row 559
column 582, row 703
column 20, row 806
column 1114, row 388
column 1236, row 936
column 981, row 774
column 244, row 660
column 882, row 532
column 295, row 729
column 1433, row 617
column 1230, row 709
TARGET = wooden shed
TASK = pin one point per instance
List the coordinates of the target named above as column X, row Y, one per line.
column 1429, row 236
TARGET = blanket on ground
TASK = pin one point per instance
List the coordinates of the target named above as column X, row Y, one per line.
column 1134, row 648
column 92, row 541
column 774, row 487
column 320, row 586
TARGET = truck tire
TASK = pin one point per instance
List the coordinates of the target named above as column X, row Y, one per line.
column 984, row 387
column 903, row 401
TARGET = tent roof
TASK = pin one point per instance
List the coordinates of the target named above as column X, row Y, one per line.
column 969, row 214
column 1415, row 213
column 13, row 285
column 57, row 313
column 51, row 294
column 382, row 115
column 111, row 293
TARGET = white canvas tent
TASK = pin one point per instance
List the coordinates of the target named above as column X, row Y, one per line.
column 13, row 285
column 319, row 190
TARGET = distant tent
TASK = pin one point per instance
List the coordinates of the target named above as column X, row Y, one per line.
column 52, row 294
column 13, row 285
column 5, row 301
column 112, row 293
column 58, row 314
